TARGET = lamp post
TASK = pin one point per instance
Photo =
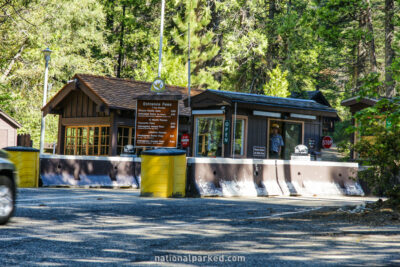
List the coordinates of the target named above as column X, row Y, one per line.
column 46, row 53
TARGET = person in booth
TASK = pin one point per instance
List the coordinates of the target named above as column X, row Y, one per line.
column 276, row 143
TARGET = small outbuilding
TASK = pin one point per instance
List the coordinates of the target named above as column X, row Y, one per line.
column 239, row 125
column 8, row 130
column 356, row 104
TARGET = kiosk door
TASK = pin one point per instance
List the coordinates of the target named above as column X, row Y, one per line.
column 292, row 135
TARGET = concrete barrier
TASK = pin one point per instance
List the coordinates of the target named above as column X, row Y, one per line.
column 252, row 177
column 211, row 176
column 61, row 170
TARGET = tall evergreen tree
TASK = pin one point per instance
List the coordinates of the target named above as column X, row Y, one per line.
column 203, row 46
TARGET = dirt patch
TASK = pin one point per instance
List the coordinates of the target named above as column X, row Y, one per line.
column 374, row 214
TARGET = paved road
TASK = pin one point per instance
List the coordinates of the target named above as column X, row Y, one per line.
column 99, row 227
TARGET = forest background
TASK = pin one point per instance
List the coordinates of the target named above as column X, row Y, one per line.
column 273, row 47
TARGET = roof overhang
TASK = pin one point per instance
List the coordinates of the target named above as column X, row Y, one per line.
column 10, row 120
column 356, row 100
column 208, row 99
column 76, row 84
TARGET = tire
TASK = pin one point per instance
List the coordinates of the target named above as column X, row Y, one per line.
column 7, row 199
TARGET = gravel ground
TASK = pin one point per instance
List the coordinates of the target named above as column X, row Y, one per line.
column 115, row 227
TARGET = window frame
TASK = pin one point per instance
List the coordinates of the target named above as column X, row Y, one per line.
column 130, row 137
column 283, row 120
column 195, row 133
column 244, row 142
column 75, row 138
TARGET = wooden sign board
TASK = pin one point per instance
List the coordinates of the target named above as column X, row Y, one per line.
column 156, row 123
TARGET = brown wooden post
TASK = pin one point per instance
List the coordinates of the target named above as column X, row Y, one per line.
column 61, row 136
column 113, row 134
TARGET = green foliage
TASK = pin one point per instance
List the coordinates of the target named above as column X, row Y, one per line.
column 379, row 147
column 73, row 29
column 202, row 47
column 280, row 46
column 277, row 84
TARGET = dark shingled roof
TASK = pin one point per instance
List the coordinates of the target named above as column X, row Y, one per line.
column 317, row 95
column 297, row 103
column 119, row 93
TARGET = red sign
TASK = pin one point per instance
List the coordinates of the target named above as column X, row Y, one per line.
column 327, row 142
column 156, row 123
column 185, row 140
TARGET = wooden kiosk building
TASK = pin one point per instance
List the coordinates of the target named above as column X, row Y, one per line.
column 238, row 125
column 97, row 114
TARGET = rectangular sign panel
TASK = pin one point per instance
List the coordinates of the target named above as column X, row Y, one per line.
column 156, row 123
column 259, row 152
column 227, row 131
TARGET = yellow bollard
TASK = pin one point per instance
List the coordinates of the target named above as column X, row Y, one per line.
column 26, row 161
column 163, row 173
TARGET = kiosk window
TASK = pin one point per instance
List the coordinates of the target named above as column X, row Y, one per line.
column 125, row 137
column 87, row 140
column 240, row 137
column 209, row 136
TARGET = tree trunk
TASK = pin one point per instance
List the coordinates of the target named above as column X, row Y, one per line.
column 12, row 62
column 271, row 51
column 389, row 52
column 371, row 41
column 121, row 43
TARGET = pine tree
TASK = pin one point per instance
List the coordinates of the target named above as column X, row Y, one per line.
column 203, row 47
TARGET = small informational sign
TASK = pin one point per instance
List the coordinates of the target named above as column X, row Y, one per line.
column 259, row 152
column 227, row 131
column 327, row 142
column 158, row 85
column 388, row 123
column 185, row 139
column 156, row 123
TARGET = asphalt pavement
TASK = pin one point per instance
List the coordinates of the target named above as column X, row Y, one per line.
column 116, row 227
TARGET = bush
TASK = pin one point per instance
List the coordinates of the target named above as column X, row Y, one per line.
column 379, row 146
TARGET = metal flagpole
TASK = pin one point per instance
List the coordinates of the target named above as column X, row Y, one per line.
column 189, row 81
column 161, row 37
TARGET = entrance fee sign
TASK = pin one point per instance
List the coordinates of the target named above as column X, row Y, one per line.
column 156, row 123
column 327, row 142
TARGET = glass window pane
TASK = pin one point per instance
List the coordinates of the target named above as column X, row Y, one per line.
column 209, row 137
column 126, row 131
column 239, row 137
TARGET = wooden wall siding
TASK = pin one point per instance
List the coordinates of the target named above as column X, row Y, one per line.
column 77, row 104
column 257, row 133
column 8, row 135
column 312, row 130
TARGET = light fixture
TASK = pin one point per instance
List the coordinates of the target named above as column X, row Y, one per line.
column 47, row 52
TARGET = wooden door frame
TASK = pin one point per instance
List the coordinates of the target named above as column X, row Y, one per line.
column 195, row 117
column 283, row 120
column 246, row 119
